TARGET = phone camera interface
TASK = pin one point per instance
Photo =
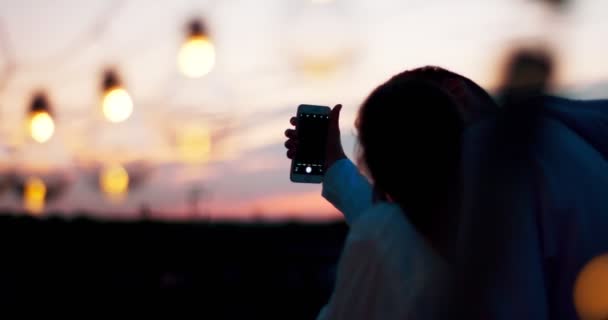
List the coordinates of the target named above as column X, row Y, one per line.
column 312, row 135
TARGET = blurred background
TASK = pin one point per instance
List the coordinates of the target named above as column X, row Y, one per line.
column 165, row 116
column 204, row 91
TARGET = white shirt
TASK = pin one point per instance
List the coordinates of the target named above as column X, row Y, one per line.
column 387, row 271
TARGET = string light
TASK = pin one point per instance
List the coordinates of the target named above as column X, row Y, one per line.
column 196, row 57
column 321, row 49
column 591, row 289
column 114, row 182
column 557, row 4
column 116, row 103
column 34, row 196
column 40, row 124
column 194, row 144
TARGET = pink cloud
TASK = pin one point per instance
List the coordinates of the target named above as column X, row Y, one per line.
column 301, row 206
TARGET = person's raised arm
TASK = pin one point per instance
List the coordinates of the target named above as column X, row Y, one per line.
column 343, row 184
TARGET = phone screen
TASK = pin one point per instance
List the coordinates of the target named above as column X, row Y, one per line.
column 312, row 137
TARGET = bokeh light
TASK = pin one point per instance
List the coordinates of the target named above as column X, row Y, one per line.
column 591, row 290
column 114, row 181
column 194, row 144
column 319, row 50
column 117, row 105
column 34, row 195
column 41, row 126
column 196, row 57
column 319, row 67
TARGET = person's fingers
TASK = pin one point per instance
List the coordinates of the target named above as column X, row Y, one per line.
column 291, row 153
column 334, row 116
column 291, row 134
column 291, row 144
column 334, row 150
column 293, row 121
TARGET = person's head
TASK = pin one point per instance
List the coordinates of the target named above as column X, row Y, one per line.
column 410, row 131
column 473, row 101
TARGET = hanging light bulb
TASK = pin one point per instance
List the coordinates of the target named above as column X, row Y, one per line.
column 40, row 124
column 114, row 181
column 116, row 103
column 591, row 289
column 557, row 4
column 194, row 144
column 196, row 57
column 34, row 196
column 321, row 49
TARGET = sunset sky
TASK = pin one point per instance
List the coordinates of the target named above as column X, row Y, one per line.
column 271, row 55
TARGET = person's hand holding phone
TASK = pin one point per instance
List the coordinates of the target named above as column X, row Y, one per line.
column 334, row 150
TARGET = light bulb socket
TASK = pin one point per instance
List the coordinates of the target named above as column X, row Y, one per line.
column 530, row 69
column 558, row 4
column 110, row 80
column 196, row 28
column 40, row 103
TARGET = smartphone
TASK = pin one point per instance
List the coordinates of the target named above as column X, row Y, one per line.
column 308, row 163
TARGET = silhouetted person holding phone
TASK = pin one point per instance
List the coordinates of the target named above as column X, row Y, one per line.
column 410, row 130
column 425, row 136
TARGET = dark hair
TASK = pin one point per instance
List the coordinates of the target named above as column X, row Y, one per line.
column 410, row 133
column 483, row 103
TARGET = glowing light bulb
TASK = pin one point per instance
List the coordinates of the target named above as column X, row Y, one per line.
column 41, row 126
column 321, row 49
column 591, row 290
column 196, row 57
column 114, row 181
column 117, row 105
column 194, row 144
column 34, row 195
